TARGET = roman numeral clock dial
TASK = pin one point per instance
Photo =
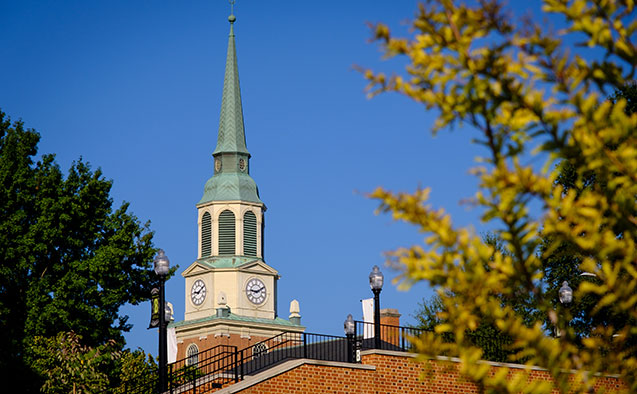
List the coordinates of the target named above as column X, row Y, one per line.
column 255, row 291
column 198, row 292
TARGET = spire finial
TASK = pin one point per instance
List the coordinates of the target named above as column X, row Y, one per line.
column 231, row 18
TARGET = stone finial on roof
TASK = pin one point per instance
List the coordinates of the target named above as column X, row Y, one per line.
column 295, row 315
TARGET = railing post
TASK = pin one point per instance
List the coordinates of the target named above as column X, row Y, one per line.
column 194, row 378
column 242, row 364
column 402, row 339
column 357, row 342
column 355, row 329
column 304, row 346
column 170, row 377
column 236, row 365
column 350, row 347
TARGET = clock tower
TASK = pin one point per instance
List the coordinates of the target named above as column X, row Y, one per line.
column 231, row 293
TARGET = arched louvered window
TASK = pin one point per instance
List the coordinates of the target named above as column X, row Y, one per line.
column 192, row 354
column 249, row 234
column 206, row 235
column 226, row 233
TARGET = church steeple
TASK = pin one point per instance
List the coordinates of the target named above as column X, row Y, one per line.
column 231, row 137
column 231, row 180
column 230, row 211
column 230, row 270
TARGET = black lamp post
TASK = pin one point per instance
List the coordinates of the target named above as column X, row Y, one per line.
column 376, row 283
column 350, row 328
column 162, row 266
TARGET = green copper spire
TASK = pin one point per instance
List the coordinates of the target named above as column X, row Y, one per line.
column 231, row 180
column 231, row 132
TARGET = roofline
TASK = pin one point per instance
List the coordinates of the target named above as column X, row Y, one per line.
column 215, row 321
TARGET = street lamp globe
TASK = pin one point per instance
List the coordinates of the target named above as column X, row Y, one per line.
column 349, row 325
column 350, row 330
column 162, row 264
column 565, row 293
column 168, row 313
column 376, row 278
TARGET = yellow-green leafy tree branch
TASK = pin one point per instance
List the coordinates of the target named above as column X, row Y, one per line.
column 530, row 92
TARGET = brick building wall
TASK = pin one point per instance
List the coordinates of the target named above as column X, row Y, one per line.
column 380, row 372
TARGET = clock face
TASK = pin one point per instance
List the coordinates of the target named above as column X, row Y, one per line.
column 217, row 165
column 255, row 291
column 198, row 292
column 242, row 164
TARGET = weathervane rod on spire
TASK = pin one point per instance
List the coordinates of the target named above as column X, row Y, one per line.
column 231, row 18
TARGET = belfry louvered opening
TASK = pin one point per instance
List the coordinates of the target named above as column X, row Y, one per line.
column 206, row 235
column 249, row 234
column 226, row 233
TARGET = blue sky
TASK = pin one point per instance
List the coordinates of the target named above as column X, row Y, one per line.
column 134, row 87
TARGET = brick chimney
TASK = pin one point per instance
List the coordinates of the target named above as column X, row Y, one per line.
column 390, row 320
column 390, row 317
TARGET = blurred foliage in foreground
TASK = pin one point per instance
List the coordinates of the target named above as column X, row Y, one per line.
column 531, row 93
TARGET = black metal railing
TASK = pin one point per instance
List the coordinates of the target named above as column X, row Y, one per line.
column 495, row 345
column 391, row 337
column 223, row 364
column 145, row 383
column 218, row 366
column 290, row 345
column 213, row 367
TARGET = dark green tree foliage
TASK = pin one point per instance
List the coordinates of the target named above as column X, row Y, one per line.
column 70, row 367
column 428, row 313
column 68, row 260
column 494, row 345
column 138, row 372
column 628, row 92
column 562, row 263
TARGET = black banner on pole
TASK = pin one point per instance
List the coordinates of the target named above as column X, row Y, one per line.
column 154, row 308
